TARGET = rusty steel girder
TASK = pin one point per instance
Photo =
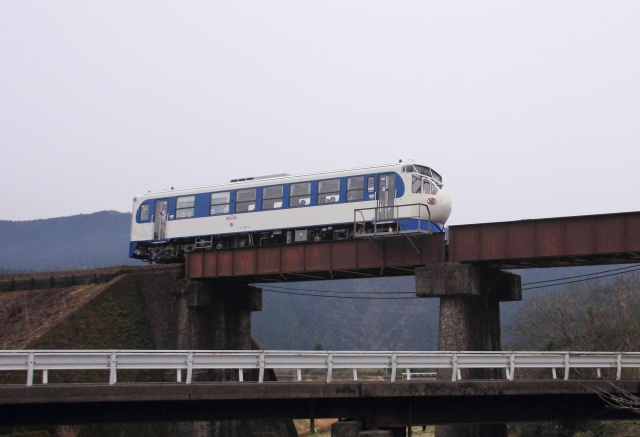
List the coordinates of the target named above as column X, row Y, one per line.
column 553, row 242
column 377, row 256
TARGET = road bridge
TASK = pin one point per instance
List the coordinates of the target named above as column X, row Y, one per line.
column 390, row 403
column 377, row 404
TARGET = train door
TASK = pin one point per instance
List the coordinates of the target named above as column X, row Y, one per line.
column 160, row 220
column 386, row 196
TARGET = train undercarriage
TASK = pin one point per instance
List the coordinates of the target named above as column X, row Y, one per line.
column 174, row 250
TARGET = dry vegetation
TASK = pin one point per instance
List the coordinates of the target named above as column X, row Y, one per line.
column 27, row 315
column 64, row 273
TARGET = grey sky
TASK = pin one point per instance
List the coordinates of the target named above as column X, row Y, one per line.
column 528, row 109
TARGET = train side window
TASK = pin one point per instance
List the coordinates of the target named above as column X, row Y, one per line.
column 300, row 194
column 220, row 203
column 185, row 206
column 355, row 188
column 246, row 200
column 144, row 212
column 416, row 184
column 272, row 197
column 328, row 191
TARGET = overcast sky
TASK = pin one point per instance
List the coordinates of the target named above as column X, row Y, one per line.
column 528, row 109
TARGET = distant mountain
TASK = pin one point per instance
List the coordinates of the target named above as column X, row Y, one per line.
column 82, row 241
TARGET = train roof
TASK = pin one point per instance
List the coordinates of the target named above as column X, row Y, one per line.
column 248, row 182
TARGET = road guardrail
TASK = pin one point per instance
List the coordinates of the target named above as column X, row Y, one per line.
column 392, row 362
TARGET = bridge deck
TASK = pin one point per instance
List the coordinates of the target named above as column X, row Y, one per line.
column 367, row 257
column 378, row 403
column 552, row 242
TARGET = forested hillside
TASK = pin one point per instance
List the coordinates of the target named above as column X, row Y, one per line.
column 365, row 314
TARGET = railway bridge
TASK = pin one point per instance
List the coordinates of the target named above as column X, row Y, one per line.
column 467, row 274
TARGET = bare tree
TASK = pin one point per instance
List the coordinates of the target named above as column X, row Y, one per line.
column 620, row 400
column 588, row 316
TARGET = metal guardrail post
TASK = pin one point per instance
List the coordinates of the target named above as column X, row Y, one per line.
column 454, row 367
column 566, row 367
column 261, row 366
column 30, row 364
column 394, row 362
column 512, row 367
column 112, row 368
column 619, row 364
column 329, row 367
column 189, row 368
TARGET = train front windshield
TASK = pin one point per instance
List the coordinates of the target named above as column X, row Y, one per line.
column 426, row 181
column 427, row 171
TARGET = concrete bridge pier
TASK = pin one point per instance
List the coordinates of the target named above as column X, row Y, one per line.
column 470, row 299
column 216, row 315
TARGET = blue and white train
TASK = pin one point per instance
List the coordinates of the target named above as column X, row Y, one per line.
column 284, row 209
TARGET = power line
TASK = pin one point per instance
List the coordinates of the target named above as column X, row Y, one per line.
column 631, row 268
column 377, row 295
column 345, row 297
column 564, row 281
